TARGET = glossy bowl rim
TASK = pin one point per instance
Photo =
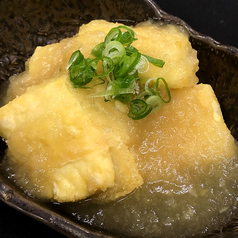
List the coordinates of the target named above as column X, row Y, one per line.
column 197, row 35
column 60, row 223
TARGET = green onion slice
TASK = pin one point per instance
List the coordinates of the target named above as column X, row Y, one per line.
column 121, row 64
column 75, row 58
column 139, row 109
column 123, row 85
column 156, row 62
column 127, row 37
column 147, row 88
column 81, row 74
column 127, row 64
column 166, row 87
column 107, row 65
column 98, row 49
column 155, row 101
column 124, row 98
column 114, row 34
column 114, row 50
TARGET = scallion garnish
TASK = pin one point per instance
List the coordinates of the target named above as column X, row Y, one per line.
column 120, row 63
column 139, row 109
column 114, row 50
column 156, row 62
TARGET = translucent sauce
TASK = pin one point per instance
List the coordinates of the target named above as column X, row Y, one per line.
column 189, row 163
column 168, row 209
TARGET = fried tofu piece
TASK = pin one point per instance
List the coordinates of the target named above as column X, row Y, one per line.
column 56, row 148
column 189, row 131
column 169, row 43
column 79, row 179
column 126, row 175
column 52, row 60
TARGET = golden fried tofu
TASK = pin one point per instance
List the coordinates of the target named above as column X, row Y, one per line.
column 60, row 142
column 126, row 174
column 188, row 131
column 66, row 146
column 169, row 43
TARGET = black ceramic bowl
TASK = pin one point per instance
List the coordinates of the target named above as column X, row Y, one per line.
column 25, row 24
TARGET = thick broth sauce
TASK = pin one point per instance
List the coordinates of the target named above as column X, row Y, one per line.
column 188, row 160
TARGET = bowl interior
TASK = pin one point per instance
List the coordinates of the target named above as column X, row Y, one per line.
column 27, row 24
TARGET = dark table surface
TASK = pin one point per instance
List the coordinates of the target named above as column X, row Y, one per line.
column 216, row 18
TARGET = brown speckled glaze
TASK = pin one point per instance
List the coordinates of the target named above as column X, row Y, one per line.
column 25, row 24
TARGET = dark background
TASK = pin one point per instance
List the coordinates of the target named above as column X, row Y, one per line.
column 216, row 18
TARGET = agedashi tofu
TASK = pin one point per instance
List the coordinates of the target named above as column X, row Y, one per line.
column 69, row 141
column 167, row 42
column 57, row 149
column 189, row 131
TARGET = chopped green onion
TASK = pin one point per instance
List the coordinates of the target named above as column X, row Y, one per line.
column 123, row 85
column 147, row 88
column 143, row 65
column 130, row 49
column 81, row 74
column 166, row 87
column 127, row 64
column 114, row 34
column 107, row 65
column 75, row 58
column 145, row 94
column 156, row 62
column 120, row 63
column 139, row 109
column 125, row 82
column 124, row 98
column 127, row 37
column 114, row 50
column 155, row 101
column 98, row 49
